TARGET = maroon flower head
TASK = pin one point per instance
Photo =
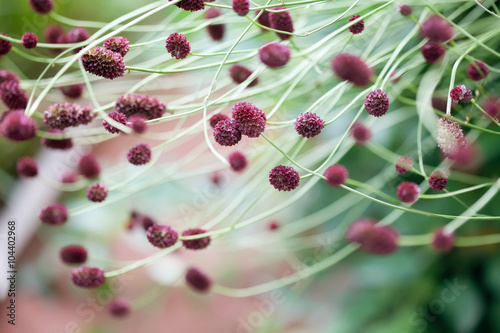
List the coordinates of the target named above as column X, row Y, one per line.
column 274, row 225
column 408, row 192
column 54, row 214
column 356, row 28
column 29, row 40
column 88, row 166
column 197, row 280
column 263, row 19
column 97, row 193
column 161, row 236
column 403, row 164
column 195, row 244
column 309, row 124
column 492, row 106
column 139, row 155
column 216, row 118
column 433, row 52
column 241, row 7
column 361, row 133
column 238, row 161
column 336, row 175
column 77, row 35
column 240, row 73
column 358, row 228
column 138, row 123
column 377, row 103
column 216, row 31
column 119, row 307
column 61, row 144
column 380, row 240
column 42, row 6
column 226, row 133
column 405, row 10
column 249, row 119
column 450, row 138
column 5, row 45
column 351, row 68
column 274, row 55
column 12, row 95
column 74, row 91
column 178, row 46
column 479, row 73
column 148, row 106
column 52, row 33
column 284, row 178
column 16, row 126
column 461, row 94
column 117, row 44
column 6, row 75
column 105, row 63
column 73, row 254
column 438, row 180
column 442, row 241
column 27, row 167
column 69, row 177
column 281, row 21
column 191, row 5
column 88, row 277
column 117, row 116
column 436, row 29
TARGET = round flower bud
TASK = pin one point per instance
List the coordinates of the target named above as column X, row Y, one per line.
column 216, row 31
column 88, row 166
column 380, row 240
column 284, row 178
column 69, row 177
column 63, row 115
column 438, row 180
column 408, row 192
column 351, row 68
column 73, row 254
column 161, row 236
column 119, row 307
column 61, row 144
column 195, row 244
column 442, row 241
column 250, row 120
column 358, row 228
column 216, row 118
column 433, row 52
column 461, row 94
column 117, row 44
column 377, row 103
column 436, row 29
column 97, row 193
column 191, row 5
column 336, row 175
column 88, row 277
column 226, row 133
column 197, row 280
column 52, row 33
column 274, row 55
column 263, row 19
column 403, row 164
column 117, row 116
column 148, row 106
column 178, row 46
column 492, row 106
column 13, row 96
column 405, row 10
column 77, row 35
column 479, row 73
column 54, row 214
column 309, row 124
column 241, row 7
column 42, row 6
column 138, row 123
column 274, row 225
column 27, row 167
column 105, row 63
column 74, row 91
column 6, row 75
column 16, row 126
column 240, row 73
column 5, row 45
column 281, row 21
column 29, row 40
column 356, row 28
column 139, row 155
column 238, row 161
column 361, row 133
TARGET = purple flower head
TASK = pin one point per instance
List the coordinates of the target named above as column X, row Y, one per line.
column 358, row 228
column 139, row 155
column 105, row 63
column 250, row 120
column 73, row 254
column 97, row 193
column 238, row 161
column 88, row 166
column 336, row 175
column 492, row 106
column 403, row 164
column 117, row 116
column 117, row 44
column 178, row 46
column 197, row 280
column 74, row 91
column 377, row 103
column 119, row 307
column 309, row 124
column 438, row 180
column 263, row 19
column 240, row 73
column 479, row 73
column 191, row 5
column 5, row 45
column 450, row 138
column 77, row 35
column 351, row 68
column 195, row 244
column 361, row 133
column 217, row 30
column 148, row 106
column 284, row 178
column 12, row 95
column 16, row 126
column 88, row 277
column 405, row 10
column 281, row 21
column 161, row 236
column 6, row 75
column 373, row 239
column 138, row 123
column 226, row 133
column 433, row 52
column 461, row 94
column 27, row 167
column 274, row 55
column 356, row 28
column 29, row 40
column 442, row 241
column 63, row 115
column 54, row 214
column 52, row 33
column 436, row 29
column 61, row 144
column 241, row 7
column 216, row 118
column 408, row 192
column 42, row 6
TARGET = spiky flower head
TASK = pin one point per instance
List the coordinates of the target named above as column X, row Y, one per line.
column 119, row 307
column 97, row 193
column 116, row 116
column 73, row 254
column 377, row 103
column 198, row 243
column 408, row 192
column 284, row 178
column 17, row 126
column 309, row 124
column 88, row 166
column 249, row 119
column 351, row 68
column 117, row 44
column 281, row 21
column 356, row 28
column 450, row 138
column 238, row 161
column 27, row 167
column 138, row 123
column 73, row 91
column 403, row 164
column 63, row 115
column 477, row 71
column 29, row 40
column 105, row 63
column 240, row 73
column 191, row 5
column 88, row 277
column 54, row 214
column 492, row 106
column 216, row 118
column 6, row 75
column 148, row 106
column 438, row 180
column 42, row 6
column 12, row 95
column 461, row 94
column 161, row 236
column 197, row 280
column 139, row 155
column 178, row 46
column 274, row 55
column 336, row 175
column 5, row 45
column 443, row 241
column 217, row 30
column 433, row 52
column 405, row 10
column 226, row 133
column 436, row 29
column 77, row 35
column 241, row 7
column 360, row 133
column 263, row 19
